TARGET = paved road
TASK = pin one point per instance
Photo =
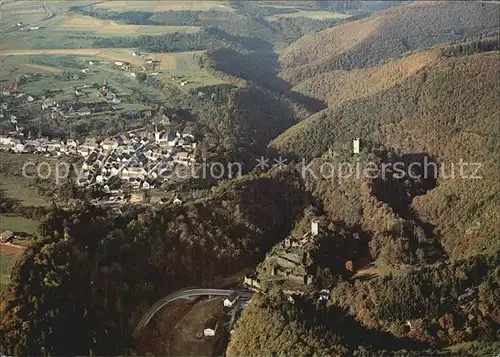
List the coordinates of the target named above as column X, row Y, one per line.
column 183, row 294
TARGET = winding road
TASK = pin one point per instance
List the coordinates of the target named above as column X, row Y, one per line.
column 185, row 294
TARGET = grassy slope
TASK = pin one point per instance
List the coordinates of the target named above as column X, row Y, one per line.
column 432, row 111
column 386, row 34
column 17, row 188
column 7, row 261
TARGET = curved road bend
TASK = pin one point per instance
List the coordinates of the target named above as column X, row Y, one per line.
column 183, row 294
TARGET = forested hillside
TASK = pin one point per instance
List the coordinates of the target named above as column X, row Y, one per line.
column 387, row 34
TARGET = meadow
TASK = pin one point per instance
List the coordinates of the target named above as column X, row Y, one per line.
column 104, row 28
column 156, row 6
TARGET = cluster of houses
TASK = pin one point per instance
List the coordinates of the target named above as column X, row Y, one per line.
column 141, row 160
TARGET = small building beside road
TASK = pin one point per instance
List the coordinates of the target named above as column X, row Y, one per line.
column 210, row 327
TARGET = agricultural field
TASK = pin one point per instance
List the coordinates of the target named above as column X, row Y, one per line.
column 184, row 342
column 50, row 30
column 155, row 6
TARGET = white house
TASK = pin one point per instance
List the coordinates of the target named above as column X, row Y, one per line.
column 231, row 300
column 165, row 138
column 89, row 143
column 6, row 236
